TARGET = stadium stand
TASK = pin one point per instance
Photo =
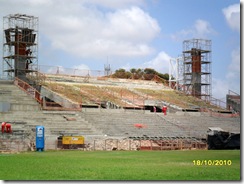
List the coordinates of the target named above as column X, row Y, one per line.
column 147, row 130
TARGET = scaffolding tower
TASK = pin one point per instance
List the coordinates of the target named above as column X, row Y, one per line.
column 20, row 46
column 175, row 73
column 197, row 68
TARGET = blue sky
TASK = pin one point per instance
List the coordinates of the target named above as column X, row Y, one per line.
column 86, row 34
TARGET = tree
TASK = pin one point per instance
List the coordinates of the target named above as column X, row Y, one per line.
column 122, row 73
column 150, row 71
column 132, row 70
column 147, row 74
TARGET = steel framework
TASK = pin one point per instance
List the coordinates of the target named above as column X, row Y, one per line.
column 197, row 68
column 20, row 46
column 176, row 73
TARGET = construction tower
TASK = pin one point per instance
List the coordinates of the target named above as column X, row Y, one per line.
column 20, row 46
column 197, row 68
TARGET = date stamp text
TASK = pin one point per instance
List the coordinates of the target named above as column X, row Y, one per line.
column 212, row 162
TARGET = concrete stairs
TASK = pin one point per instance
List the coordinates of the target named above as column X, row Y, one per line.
column 197, row 123
column 17, row 98
column 123, row 123
column 24, row 114
column 54, row 122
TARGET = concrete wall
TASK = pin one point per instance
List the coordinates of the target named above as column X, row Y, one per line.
column 233, row 102
column 4, row 106
column 64, row 102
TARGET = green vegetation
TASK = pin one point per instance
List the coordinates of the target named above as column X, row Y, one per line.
column 120, row 165
column 146, row 74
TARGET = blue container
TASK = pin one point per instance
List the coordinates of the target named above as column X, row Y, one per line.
column 40, row 138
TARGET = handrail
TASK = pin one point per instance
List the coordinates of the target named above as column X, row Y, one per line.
column 37, row 96
column 218, row 114
column 217, row 102
column 232, row 92
column 37, row 76
column 210, row 100
column 28, row 89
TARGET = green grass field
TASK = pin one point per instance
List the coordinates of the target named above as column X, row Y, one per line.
column 122, row 165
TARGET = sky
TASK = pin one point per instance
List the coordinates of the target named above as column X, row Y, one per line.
column 89, row 34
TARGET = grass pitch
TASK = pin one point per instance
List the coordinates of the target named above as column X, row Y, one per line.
column 197, row 165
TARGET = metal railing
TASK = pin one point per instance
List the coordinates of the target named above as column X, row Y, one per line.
column 35, row 94
column 28, row 89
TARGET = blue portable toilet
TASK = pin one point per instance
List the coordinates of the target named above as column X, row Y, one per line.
column 40, row 135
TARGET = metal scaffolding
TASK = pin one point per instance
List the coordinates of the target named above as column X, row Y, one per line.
column 176, row 73
column 197, row 68
column 20, row 46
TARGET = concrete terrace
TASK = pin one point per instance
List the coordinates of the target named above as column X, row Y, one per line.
column 24, row 114
column 121, row 93
column 182, row 124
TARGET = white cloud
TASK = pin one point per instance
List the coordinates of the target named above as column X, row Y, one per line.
column 232, row 16
column 160, row 63
column 128, row 24
column 53, row 70
column 127, row 66
column 200, row 29
column 39, row 2
column 81, row 70
column 234, row 66
column 219, row 88
column 233, row 74
column 115, row 4
column 231, row 81
column 91, row 28
column 81, row 67
column 125, row 32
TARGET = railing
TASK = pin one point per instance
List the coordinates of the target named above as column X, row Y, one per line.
column 28, row 89
column 218, row 114
column 36, row 76
column 209, row 100
column 233, row 93
column 218, row 103
column 59, row 70
column 37, row 96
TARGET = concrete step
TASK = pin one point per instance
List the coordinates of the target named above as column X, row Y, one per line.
column 25, row 107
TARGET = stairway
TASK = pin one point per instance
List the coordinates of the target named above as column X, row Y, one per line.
column 24, row 114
